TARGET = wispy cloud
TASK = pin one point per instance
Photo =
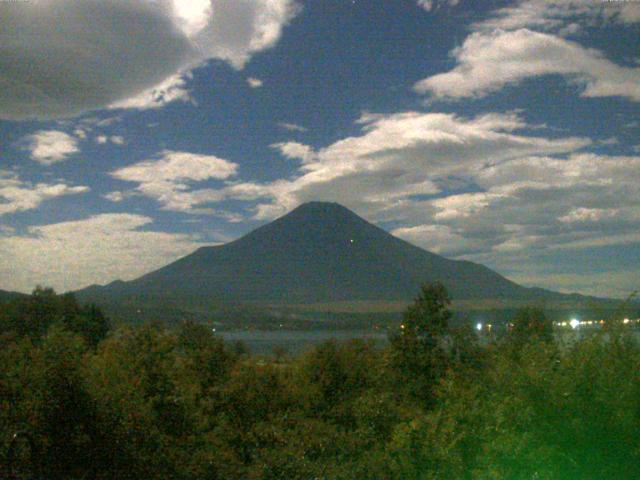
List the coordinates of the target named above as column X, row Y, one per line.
column 172, row 89
column 17, row 195
column 557, row 15
column 292, row 127
column 254, row 82
column 430, row 5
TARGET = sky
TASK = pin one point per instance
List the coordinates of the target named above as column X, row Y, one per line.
column 134, row 131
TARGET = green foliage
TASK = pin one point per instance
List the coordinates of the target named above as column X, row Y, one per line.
column 154, row 403
column 530, row 324
column 33, row 316
column 428, row 317
column 420, row 351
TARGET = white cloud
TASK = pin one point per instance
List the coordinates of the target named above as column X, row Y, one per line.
column 115, row 139
column 582, row 214
column 177, row 166
column 463, row 205
column 172, row 89
column 295, row 150
column 169, row 178
column 80, row 133
column 547, row 203
column 254, row 82
column 75, row 254
column 50, row 146
column 430, row 5
column 559, row 15
column 487, row 61
column 82, row 56
column 465, row 186
column 115, row 197
column 17, row 195
column 292, row 127
column 192, row 15
column 397, row 157
column 435, row 238
column 240, row 28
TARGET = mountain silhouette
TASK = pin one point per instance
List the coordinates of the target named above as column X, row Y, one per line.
column 319, row 252
column 6, row 296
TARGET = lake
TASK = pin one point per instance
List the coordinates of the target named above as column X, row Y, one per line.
column 294, row 342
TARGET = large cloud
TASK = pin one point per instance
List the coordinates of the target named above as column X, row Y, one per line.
column 489, row 61
column 59, row 58
column 542, row 203
column 527, row 39
column 399, row 157
column 98, row 249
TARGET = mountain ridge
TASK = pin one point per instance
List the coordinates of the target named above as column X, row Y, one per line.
column 319, row 252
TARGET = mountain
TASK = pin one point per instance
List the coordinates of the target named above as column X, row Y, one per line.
column 318, row 253
column 7, row 296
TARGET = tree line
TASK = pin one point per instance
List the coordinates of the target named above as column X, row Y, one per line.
column 150, row 402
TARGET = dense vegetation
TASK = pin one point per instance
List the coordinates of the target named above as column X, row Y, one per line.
column 148, row 402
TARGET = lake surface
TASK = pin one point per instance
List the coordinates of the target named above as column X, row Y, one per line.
column 261, row 342
column 294, row 341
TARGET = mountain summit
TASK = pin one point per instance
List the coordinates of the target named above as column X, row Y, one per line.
column 319, row 252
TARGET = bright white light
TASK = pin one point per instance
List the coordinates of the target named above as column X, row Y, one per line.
column 625, row 321
column 574, row 323
column 193, row 15
column 479, row 327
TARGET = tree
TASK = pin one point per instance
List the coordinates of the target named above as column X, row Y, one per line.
column 32, row 316
column 529, row 324
column 428, row 317
column 419, row 351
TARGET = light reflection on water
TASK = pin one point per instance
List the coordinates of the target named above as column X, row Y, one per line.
column 261, row 342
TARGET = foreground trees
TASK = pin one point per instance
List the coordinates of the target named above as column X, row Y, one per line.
column 152, row 403
column 419, row 350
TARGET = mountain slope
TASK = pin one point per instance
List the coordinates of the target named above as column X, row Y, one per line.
column 319, row 252
column 7, row 296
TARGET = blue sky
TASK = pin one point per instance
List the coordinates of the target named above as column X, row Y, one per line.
column 507, row 133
